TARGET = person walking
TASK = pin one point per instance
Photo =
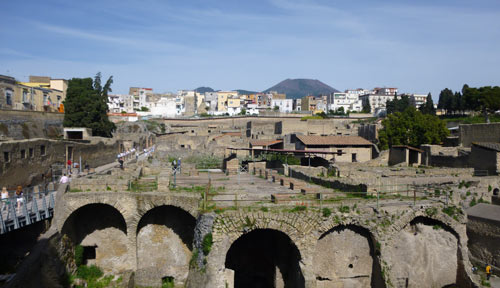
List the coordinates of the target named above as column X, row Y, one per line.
column 69, row 165
column 5, row 198
column 179, row 165
column 121, row 162
column 19, row 195
column 64, row 179
column 488, row 272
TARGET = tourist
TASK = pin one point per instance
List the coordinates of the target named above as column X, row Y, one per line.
column 121, row 162
column 179, row 165
column 5, row 198
column 488, row 272
column 174, row 164
column 19, row 195
column 87, row 167
column 64, row 179
column 69, row 165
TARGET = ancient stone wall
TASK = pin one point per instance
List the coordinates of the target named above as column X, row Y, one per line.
column 479, row 133
column 484, row 238
column 30, row 124
column 24, row 162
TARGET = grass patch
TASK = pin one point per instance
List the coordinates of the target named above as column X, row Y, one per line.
column 326, row 212
column 344, row 209
column 299, row 208
column 75, row 190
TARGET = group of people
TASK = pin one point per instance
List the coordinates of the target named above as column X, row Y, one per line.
column 6, row 200
column 176, row 163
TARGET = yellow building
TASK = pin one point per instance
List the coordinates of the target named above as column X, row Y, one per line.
column 233, row 102
column 34, row 96
column 222, row 97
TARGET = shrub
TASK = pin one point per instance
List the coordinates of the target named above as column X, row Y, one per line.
column 326, row 212
column 89, row 273
column 299, row 208
column 344, row 209
column 78, row 255
column 206, row 244
column 264, row 209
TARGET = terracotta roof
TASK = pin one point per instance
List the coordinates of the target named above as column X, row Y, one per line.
column 488, row 145
column 333, row 140
column 265, row 142
column 408, row 147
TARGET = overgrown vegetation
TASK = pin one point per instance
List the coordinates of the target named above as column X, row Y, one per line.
column 205, row 161
column 326, row 212
column 413, row 128
column 206, row 244
column 299, row 208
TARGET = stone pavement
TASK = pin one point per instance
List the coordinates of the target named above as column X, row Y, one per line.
column 495, row 282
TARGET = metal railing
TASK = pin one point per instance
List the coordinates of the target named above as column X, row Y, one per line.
column 34, row 204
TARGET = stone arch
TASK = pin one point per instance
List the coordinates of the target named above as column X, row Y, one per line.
column 347, row 255
column 265, row 258
column 426, row 252
column 102, row 230
column 73, row 202
column 164, row 245
column 496, row 191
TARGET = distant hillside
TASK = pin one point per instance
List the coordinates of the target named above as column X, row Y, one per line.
column 298, row 88
column 245, row 92
column 204, row 89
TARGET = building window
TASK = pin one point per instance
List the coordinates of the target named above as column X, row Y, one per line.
column 8, row 97
column 23, row 154
column 6, row 157
column 31, row 154
column 339, row 152
column 42, row 150
column 25, row 96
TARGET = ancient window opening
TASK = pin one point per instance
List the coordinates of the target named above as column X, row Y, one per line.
column 30, row 152
column 89, row 253
column 42, row 150
column 23, row 154
column 496, row 191
column 6, row 157
column 182, row 146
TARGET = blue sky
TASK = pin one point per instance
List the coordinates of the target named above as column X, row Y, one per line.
column 417, row 46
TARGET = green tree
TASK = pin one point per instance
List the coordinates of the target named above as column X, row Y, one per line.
column 445, row 100
column 366, row 107
column 428, row 106
column 413, row 128
column 86, row 105
column 398, row 105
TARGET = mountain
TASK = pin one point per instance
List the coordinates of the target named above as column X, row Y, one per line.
column 204, row 89
column 245, row 92
column 298, row 88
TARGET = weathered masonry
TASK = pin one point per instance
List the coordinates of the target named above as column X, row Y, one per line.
column 157, row 235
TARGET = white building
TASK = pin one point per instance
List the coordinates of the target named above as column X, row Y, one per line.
column 252, row 109
column 285, row 105
column 118, row 103
column 378, row 99
column 348, row 101
column 417, row 99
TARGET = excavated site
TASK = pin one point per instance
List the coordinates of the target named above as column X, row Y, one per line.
column 231, row 217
